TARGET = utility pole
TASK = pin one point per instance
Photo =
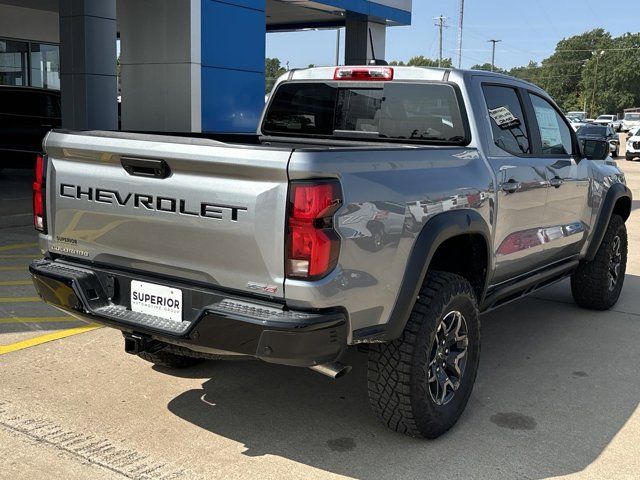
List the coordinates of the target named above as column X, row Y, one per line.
column 441, row 23
column 493, row 53
column 595, row 82
column 337, row 46
column 460, row 21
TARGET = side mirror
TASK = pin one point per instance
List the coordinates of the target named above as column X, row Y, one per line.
column 595, row 149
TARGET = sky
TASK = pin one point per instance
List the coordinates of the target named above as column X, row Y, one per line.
column 529, row 30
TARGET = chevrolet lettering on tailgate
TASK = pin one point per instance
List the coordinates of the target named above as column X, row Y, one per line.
column 150, row 202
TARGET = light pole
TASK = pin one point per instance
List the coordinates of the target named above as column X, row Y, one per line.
column 595, row 81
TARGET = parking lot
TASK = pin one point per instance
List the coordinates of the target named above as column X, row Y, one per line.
column 557, row 395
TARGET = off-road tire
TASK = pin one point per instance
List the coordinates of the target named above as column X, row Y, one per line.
column 590, row 283
column 398, row 371
column 166, row 358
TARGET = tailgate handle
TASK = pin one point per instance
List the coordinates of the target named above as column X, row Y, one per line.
column 145, row 167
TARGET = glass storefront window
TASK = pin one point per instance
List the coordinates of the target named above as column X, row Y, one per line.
column 45, row 66
column 13, row 62
column 29, row 64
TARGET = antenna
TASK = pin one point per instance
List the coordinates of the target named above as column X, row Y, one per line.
column 374, row 60
column 373, row 50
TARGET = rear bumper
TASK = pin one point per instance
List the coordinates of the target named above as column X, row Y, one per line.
column 218, row 322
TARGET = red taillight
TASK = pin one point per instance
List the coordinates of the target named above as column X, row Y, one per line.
column 313, row 244
column 373, row 74
column 39, row 220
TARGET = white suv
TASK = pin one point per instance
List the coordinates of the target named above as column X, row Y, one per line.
column 631, row 121
column 633, row 144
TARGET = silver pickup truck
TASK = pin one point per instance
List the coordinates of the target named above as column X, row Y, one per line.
column 377, row 208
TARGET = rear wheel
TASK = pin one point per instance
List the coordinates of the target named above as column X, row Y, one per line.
column 597, row 284
column 420, row 383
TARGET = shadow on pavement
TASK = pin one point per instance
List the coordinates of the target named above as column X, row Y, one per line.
column 556, row 383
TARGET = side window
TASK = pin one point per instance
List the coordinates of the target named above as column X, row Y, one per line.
column 554, row 132
column 507, row 119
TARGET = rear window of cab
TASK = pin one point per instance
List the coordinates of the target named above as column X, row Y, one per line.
column 407, row 112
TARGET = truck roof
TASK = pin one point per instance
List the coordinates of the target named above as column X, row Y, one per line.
column 399, row 73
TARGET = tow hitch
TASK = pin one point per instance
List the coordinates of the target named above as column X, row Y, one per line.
column 135, row 343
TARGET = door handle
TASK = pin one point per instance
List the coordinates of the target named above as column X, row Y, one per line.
column 511, row 186
column 556, row 182
column 145, row 167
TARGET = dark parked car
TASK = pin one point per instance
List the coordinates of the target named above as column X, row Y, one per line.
column 600, row 132
column 26, row 115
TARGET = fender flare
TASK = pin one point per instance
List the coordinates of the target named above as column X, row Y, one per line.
column 436, row 231
column 615, row 193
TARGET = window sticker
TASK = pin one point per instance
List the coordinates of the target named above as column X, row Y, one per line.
column 504, row 118
column 549, row 128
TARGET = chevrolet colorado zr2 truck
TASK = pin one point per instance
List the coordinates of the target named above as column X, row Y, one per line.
column 376, row 207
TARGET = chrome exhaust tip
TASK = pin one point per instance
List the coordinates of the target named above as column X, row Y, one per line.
column 334, row 369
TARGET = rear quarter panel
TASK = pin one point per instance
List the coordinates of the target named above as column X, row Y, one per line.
column 409, row 184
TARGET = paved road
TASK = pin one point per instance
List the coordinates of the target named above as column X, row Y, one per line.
column 557, row 395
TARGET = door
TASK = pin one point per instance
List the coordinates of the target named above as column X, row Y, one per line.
column 566, row 213
column 522, row 184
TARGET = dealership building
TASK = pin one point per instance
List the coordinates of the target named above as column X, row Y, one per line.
column 185, row 65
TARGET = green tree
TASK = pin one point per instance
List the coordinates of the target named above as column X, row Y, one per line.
column 529, row 73
column 562, row 73
column 422, row 61
column 272, row 70
column 610, row 80
column 487, row 67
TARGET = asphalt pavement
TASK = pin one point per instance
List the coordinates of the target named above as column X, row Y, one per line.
column 556, row 396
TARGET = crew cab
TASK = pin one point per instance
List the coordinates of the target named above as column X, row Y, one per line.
column 377, row 207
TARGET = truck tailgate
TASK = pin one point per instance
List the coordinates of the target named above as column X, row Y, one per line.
column 218, row 217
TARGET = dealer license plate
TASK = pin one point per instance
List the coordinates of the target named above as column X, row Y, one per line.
column 157, row 300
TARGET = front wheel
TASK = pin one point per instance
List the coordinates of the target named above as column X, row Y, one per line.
column 420, row 383
column 597, row 284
